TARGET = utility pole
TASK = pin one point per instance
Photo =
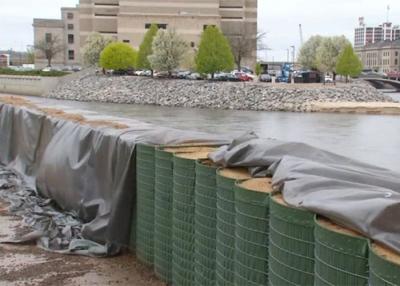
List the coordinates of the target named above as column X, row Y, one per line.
column 288, row 57
column 301, row 35
column 293, row 54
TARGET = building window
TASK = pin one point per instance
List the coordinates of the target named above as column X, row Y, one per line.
column 71, row 55
column 205, row 26
column 192, row 44
column 70, row 26
column 105, row 15
column 70, row 39
column 70, row 16
column 48, row 37
column 160, row 26
column 396, row 62
column 126, row 41
column 397, row 54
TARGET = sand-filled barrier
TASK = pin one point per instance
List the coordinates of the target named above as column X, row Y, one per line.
column 225, row 248
column 205, row 222
column 341, row 255
column 183, row 213
column 252, row 231
column 384, row 266
column 163, row 218
column 291, row 250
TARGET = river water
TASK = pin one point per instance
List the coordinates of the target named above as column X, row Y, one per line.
column 373, row 139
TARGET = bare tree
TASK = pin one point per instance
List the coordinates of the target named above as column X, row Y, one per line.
column 50, row 47
column 244, row 44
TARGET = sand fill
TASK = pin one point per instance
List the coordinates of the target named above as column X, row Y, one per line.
column 208, row 163
column 188, row 149
column 235, row 173
column 328, row 224
column 60, row 114
column 193, row 155
column 280, row 200
column 262, row 185
column 386, row 253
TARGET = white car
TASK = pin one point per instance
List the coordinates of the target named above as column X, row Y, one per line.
column 328, row 78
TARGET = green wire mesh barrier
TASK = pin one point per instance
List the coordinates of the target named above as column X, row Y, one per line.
column 291, row 248
column 163, row 215
column 183, row 222
column 341, row 256
column 205, row 223
column 252, row 232
column 384, row 267
column 145, row 203
column 225, row 247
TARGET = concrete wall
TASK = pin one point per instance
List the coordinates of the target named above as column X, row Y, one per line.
column 27, row 85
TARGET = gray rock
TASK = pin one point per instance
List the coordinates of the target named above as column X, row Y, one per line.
column 86, row 86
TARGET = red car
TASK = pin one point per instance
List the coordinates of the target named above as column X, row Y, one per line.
column 243, row 76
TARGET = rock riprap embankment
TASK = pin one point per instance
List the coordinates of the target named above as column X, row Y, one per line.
column 213, row 95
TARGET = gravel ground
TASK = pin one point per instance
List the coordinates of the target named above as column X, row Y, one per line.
column 86, row 86
column 23, row 265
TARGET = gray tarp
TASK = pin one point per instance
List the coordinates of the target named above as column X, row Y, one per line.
column 351, row 193
column 88, row 171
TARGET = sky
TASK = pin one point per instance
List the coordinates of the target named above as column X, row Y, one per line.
column 278, row 19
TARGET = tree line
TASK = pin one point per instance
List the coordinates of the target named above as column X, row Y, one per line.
column 165, row 50
column 330, row 55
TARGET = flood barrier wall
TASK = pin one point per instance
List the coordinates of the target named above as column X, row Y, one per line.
column 223, row 233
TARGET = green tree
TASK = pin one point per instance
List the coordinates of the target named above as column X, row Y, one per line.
column 308, row 53
column 118, row 56
column 348, row 63
column 214, row 53
column 258, row 69
column 168, row 51
column 328, row 53
column 146, row 48
column 94, row 45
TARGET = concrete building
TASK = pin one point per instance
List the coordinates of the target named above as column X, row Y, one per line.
column 365, row 35
column 66, row 31
column 4, row 60
column 382, row 56
column 128, row 20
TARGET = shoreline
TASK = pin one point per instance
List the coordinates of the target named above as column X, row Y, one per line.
column 370, row 108
column 345, row 107
column 88, row 87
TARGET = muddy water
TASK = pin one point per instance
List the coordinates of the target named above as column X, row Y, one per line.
column 371, row 138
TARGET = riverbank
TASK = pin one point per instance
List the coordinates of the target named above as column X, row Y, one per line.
column 89, row 87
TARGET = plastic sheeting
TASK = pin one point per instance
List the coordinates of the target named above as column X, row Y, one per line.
column 351, row 193
column 90, row 171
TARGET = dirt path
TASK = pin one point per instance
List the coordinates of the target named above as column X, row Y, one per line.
column 24, row 265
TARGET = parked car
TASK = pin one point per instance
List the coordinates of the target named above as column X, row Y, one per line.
column 243, row 76
column 328, row 79
column 265, row 78
column 247, row 70
column 182, row 74
column 76, row 69
column 143, row 73
column 225, row 76
column 161, row 75
column 194, row 76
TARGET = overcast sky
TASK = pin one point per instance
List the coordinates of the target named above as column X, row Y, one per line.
column 280, row 19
